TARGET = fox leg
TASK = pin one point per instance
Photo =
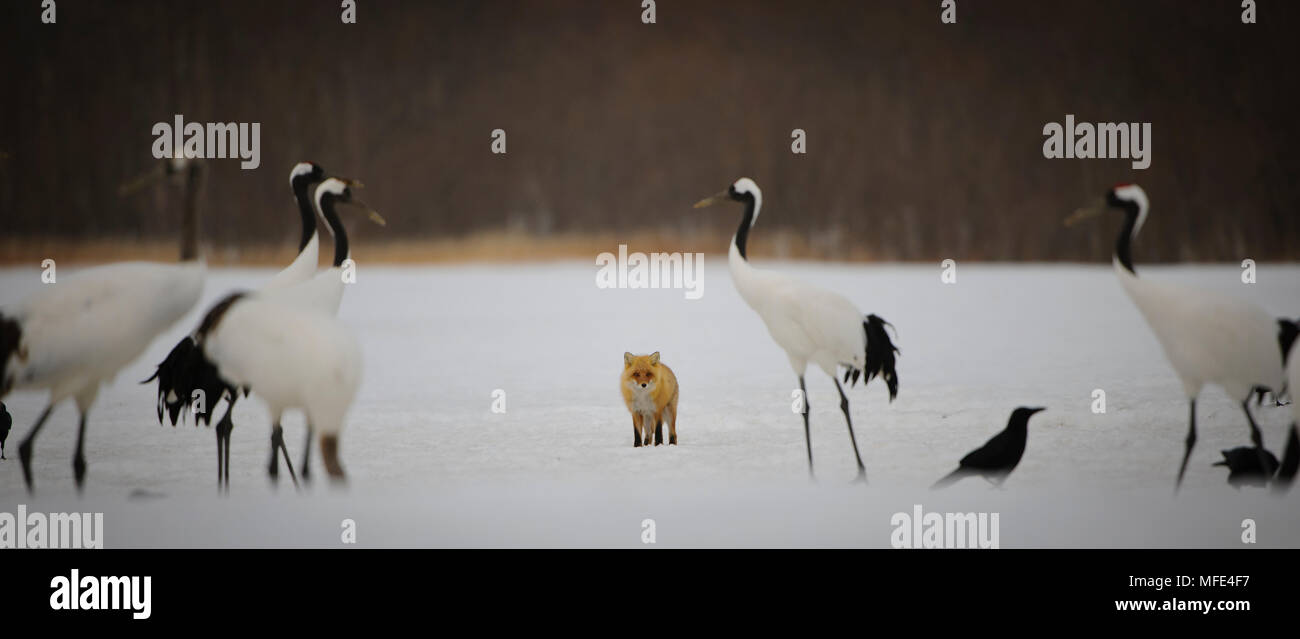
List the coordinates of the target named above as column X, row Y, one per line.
column 670, row 416
column 636, row 430
column 659, row 430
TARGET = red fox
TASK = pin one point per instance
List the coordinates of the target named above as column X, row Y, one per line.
column 650, row 392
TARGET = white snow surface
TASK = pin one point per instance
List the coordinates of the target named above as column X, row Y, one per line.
column 430, row 464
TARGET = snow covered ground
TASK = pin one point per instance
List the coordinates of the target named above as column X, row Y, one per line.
column 430, row 464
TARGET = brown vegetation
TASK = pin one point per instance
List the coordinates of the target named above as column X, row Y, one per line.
column 924, row 140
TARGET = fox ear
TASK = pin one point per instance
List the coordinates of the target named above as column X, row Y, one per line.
column 654, row 358
column 627, row 359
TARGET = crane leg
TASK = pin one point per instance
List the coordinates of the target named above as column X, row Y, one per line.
column 224, row 426
column 844, row 406
column 807, row 435
column 221, row 445
column 1191, row 441
column 79, row 456
column 231, row 398
column 1256, row 438
column 273, row 467
column 225, row 462
column 25, row 448
column 278, row 448
column 306, row 455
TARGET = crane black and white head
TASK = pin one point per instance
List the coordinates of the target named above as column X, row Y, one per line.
column 1132, row 200
column 340, row 191
column 746, row 192
column 305, row 174
column 1128, row 199
column 301, row 178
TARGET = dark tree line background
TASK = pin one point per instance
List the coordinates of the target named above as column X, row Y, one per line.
column 924, row 139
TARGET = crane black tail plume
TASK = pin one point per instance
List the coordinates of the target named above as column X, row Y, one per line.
column 173, row 375
column 185, row 371
column 949, row 479
column 11, row 334
column 1287, row 332
column 881, row 354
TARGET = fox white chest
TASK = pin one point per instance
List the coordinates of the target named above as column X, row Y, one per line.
column 643, row 400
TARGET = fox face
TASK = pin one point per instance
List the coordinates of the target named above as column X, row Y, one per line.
column 640, row 372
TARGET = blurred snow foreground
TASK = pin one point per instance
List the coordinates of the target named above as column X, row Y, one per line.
column 489, row 415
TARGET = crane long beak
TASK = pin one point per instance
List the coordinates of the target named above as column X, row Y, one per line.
column 1085, row 213
column 140, row 181
column 372, row 214
column 712, row 199
column 356, row 184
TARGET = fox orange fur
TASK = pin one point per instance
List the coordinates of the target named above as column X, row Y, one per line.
column 650, row 392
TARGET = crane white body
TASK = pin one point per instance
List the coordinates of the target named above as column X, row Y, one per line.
column 811, row 325
column 79, row 332
column 76, row 334
column 291, row 357
column 322, row 292
column 1209, row 338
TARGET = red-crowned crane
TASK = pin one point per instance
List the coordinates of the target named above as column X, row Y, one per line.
column 76, row 334
column 1208, row 338
column 812, row 325
column 195, row 367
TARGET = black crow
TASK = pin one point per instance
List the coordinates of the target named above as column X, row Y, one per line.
column 1248, row 466
column 997, row 458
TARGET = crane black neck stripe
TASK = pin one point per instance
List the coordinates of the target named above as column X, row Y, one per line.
column 216, row 313
column 1124, row 245
column 302, row 194
column 340, row 234
column 742, row 233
